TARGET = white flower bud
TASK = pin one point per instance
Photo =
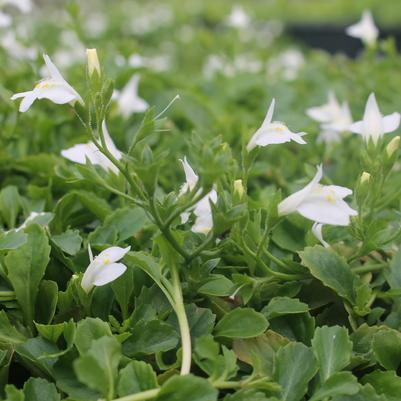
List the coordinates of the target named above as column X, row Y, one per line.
column 93, row 62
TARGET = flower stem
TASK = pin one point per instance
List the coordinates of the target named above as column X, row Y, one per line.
column 142, row 396
column 182, row 322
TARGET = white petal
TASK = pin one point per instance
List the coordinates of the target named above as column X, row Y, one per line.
column 357, row 127
column 112, row 254
column 19, row 95
column 128, row 101
column 53, row 70
column 340, row 192
column 107, row 273
column 320, row 210
column 391, row 122
column 87, row 279
column 109, row 142
column 291, row 203
column 269, row 114
column 190, row 176
column 184, row 217
column 58, row 94
column 203, row 224
column 78, row 153
column 297, row 137
column 27, row 101
column 317, row 232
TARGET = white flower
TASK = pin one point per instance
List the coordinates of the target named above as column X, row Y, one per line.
column 103, row 268
column 54, row 88
column 317, row 232
column 374, row 125
column 191, row 179
column 287, row 64
column 24, row 6
column 365, row 29
column 320, row 203
column 334, row 118
column 332, row 115
column 273, row 132
column 81, row 152
column 238, row 18
column 128, row 100
column 203, row 212
column 202, row 209
column 5, row 20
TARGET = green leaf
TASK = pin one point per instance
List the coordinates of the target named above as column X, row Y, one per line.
column 26, row 267
column 46, row 301
column 259, row 352
column 135, row 377
column 89, row 330
column 69, row 241
column 10, row 205
column 333, row 349
column 37, row 389
column 97, row 368
column 331, row 269
column 295, row 366
column 387, row 348
column 150, row 337
column 200, row 320
column 217, row 366
column 12, row 240
column 33, row 350
column 9, row 335
column 217, row 285
column 50, row 332
column 13, row 394
column 123, row 289
column 280, row 306
column 188, row 388
column 241, row 323
column 340, row 383
column 119, row 226
column 386, row 383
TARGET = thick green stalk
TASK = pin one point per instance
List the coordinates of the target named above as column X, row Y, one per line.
column 182, row 322
column 142, row 396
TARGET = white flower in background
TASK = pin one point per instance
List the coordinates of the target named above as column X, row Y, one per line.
column 54, row 88
column 238, row 18
column 286, row 65
column 202, row 209
column 273, row 132
column 5, row 20
column 365, row 29
column 25, row 6
column 333, row 117
column 317, row 232
column 374, row 125
column 11, row 44
column 128, row 100
column 322, row 204
column 81, row 152
column 104, row 268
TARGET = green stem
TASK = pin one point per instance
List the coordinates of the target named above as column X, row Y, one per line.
column 369, row 268
column 182, row 322
column 200, row 248
column 166, row 231
column 142, row 396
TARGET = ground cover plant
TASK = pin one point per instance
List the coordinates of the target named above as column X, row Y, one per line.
column 194, row 207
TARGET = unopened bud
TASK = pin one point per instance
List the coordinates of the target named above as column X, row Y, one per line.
column 365, row 177
column 393, row 146
column 93, row 62
column 239, row 188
